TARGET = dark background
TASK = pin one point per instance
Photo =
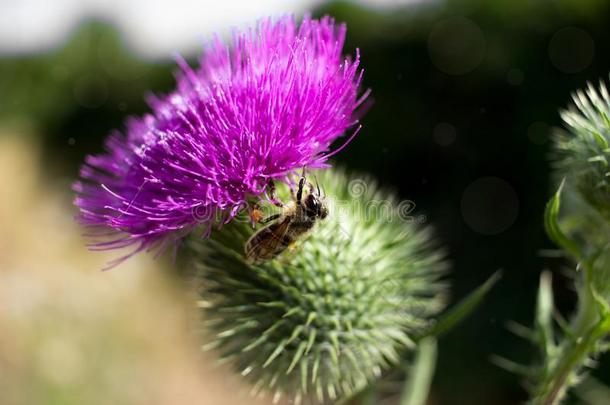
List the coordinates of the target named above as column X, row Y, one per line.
column 462, row 90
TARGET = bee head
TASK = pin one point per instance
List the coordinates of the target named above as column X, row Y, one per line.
column 315, row 207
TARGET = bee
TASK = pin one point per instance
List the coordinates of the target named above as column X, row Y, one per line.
column 295, row 221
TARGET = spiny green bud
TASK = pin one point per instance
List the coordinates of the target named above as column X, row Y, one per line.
column 584, row 153
column 324, row 319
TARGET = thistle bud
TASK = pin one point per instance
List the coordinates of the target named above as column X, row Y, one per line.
column 326, row 317
column 583, row 154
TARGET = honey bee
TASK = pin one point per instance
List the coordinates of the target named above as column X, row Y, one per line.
column 294, row 222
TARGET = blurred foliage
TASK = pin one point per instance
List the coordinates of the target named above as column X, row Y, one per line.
column 73, row 335
column 75, row 95
column 496, row 117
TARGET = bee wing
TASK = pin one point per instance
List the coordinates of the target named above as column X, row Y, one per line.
column 264, row 243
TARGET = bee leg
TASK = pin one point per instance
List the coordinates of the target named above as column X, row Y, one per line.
column 300, row 190
column 269, row 218
column 317, row 186
column 273, row 198
column 311, row 188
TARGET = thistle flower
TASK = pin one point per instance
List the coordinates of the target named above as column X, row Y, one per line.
column 584, row 153
column 324, row 320
column 270, row 103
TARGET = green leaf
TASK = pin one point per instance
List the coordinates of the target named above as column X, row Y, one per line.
column 544, row 312
column 418, row 384
column 599, row 138
column 602, row 304
column 464, row 308
column 551, row 225
column 592, row 391
column 511, row 366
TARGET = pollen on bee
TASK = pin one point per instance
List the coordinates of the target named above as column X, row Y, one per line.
column 256, row 215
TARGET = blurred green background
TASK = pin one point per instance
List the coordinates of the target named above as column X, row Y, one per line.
column 465, row 93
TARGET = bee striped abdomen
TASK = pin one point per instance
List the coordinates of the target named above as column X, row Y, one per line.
column 268, row 243
column 295, row 222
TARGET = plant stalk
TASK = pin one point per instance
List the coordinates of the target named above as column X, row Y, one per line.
column 587, row 329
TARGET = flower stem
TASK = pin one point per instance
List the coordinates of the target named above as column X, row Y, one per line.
column 587, row 330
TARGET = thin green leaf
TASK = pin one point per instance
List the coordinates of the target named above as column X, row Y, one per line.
column 511, row 366
column 520, row 330
column 418, row 384
column 551, row 225
column 592, row 391
column 464, row 308
column 602, row 305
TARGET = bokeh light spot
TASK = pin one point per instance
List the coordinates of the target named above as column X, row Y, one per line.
column 489, row 205
column 538, row 132
column 456, row 45
column 515, row 77
column 444, row 134
column 571, row 50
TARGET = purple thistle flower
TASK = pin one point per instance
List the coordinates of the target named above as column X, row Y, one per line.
column 262, row 108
